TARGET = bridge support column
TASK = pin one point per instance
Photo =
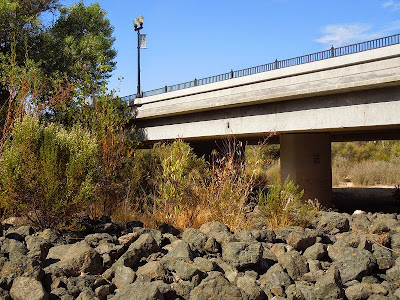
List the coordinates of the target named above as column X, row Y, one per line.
column 306, row 159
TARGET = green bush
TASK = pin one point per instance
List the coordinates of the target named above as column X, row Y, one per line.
column 178, row 171
column 47, row 173
column 282, row 206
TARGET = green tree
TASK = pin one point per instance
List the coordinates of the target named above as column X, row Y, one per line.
column 79, row 46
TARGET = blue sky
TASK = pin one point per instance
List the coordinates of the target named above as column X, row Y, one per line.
column 190, row 39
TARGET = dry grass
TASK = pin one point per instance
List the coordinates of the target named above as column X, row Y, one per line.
column 366, row 173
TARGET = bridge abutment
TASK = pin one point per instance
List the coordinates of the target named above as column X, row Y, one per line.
column 306, row 160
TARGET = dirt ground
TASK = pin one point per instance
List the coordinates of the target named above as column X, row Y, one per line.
column 371, row 199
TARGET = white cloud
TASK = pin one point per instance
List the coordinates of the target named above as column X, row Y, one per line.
column 341, row 34
column 392, row 5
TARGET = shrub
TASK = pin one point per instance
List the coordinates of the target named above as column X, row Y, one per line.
column 47, row 173
column 177, row 172
column 282, row 206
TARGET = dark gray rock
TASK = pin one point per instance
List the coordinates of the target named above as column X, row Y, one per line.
column 195, row 238
column 352, row 263
column 182, row 268
column 215, row 289
column 183, row 288
column 294, row 263
column 75, row 259
column 214, row 227
column 168, row 228
column 212, row 246
column 301, row 239
column 178, row 249
column 93, row 240
column 250, row 288
column 242, row 255
column 255, row 235
column 333, row 222
column 205, row 265
column 275, row 276
column 330, row 285
column 316, row 252
column 383, row 256
column 60, row 294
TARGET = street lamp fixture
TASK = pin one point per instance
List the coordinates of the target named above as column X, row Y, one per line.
column 138, row 24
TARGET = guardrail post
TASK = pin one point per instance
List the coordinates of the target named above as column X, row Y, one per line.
column 332, row 51
column 276, row 64
column 165, row 89
column 195, row 82
column 231, row 73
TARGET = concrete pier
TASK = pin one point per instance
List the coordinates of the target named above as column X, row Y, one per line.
column 306, row 160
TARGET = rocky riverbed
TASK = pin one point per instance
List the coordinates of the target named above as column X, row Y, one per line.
column 341, row 256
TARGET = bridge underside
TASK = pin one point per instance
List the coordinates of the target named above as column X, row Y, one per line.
column 304, row 128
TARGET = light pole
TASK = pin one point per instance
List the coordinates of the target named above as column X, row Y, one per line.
column 138, row 23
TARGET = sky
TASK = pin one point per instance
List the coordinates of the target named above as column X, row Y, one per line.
column 189, row 39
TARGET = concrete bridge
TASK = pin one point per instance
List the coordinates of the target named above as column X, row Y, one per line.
column 341, row 94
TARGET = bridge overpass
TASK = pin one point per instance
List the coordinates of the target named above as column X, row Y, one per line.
column 346, row 93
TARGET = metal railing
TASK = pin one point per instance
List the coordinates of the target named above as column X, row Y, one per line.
column 277, row 64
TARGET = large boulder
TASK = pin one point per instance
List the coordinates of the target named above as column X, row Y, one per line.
column 241, row 254
column 330, row 285
column 294, row 263
column 352, row 263
column 27, row 288
column 140, row 291
column 75, row 259
column 333, row 222
column 301, row 239
column 215, row 289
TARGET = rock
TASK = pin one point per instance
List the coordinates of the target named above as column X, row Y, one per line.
column 103, row 291
column 128, row 239
column 87, row 294
column 283, row 232
column 214, row 227
column 275, row 276
column 75, row 259
column 204, row 264
column 333, row 222
column 215, row 289
column 94, row 240
column 140, row 291
column 294, row 263
column 133, row 224
column 231, row 273
column 195, row 238
column 293, row 293
column 359, row 291
column 151, row 271
column 27, row 288
column 360, row 222
column 383, row 256
column 307, row 289
column 182, row 269
column 316, row 252
column 250, row 288
column 212, row 246
column 395, row 244
column 301, row 239
column 49, row 235
column 167, row 228
column 60, row 293
column 123, row 276
column 183, row 288
column 242, row 255
column 393, row 274
column 4, row 294
column 179, row 249
column 255, row 235
column 330, row 285
column 352, row 263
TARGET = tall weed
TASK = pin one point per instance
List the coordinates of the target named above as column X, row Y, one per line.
column 282, row 206
column 47, row 173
